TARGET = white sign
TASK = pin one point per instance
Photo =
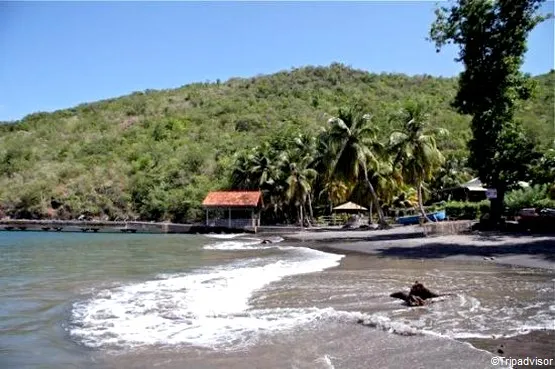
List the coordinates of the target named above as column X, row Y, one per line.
column 491, row 193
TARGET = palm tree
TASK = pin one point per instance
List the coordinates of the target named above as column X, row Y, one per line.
column 263, row 168
column 305, row 150
column 241, row 175
column 386, row 181
column 352, row 139
column 254, row 169
column 336, row 192
column 299, row 183
column 414, row 148
column 260, row 168
column 452, row 173
column 406, row 197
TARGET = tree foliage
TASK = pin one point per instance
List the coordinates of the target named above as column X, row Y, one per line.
column 414, row 148
column 354, row 150
column 154, row 155
column 491, row 37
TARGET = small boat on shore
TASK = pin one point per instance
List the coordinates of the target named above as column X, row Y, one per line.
column 415, row 219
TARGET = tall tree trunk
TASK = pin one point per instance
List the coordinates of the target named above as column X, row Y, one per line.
column 381, row 217
column 421, row 203
column 497, row 207
column 301, row 215
column 370, row 220
column 307, row 218
column 310, row 206
column 337, row 157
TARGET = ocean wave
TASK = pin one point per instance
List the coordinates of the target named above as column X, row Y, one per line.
column 463, row 316
column 215, row 307
column 224, row 235
column 236, row 245
column 245, row 243
column 209, row 308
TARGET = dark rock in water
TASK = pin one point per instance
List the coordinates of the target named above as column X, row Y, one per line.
column 499, row 351
column 265, row 242
column 419, row 290
column 417, row 295
column 400, row 295
column 416, row 301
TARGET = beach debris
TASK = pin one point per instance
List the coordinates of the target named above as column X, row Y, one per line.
column 417, row 296
column 353, row 222
column 271, row 239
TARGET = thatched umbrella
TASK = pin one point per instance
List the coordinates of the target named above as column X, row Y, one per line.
column 350, row 207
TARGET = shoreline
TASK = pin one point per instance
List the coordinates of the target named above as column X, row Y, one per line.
column 375, row 244
column 520, row 250
column 516, row 249
column 535, row 344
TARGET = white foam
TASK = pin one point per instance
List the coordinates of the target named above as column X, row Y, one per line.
column 464, row 316
column 237, row 245
column 225, row 235
column 210, row 308
column 246, row 243
column 326, row 361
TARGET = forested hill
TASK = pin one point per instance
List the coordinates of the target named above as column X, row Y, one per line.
column 154, row 154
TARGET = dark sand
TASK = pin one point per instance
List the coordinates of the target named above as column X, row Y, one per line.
column 540, row 344
column 533, row 251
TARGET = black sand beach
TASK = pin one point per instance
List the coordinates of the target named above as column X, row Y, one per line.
column 534, row 251
column 408, row 243
column 537, row 344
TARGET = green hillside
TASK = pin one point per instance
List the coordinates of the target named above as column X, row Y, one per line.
column 154, row 154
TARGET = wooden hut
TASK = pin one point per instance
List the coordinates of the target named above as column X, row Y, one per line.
column 233, row 209
column 472, row 191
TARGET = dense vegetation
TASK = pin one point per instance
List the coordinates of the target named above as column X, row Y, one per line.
column 153, row 155
column 491, row 37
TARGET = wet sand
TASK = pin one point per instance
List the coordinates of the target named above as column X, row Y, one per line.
column 538, row 344
column 357, row 289
column 522, row 250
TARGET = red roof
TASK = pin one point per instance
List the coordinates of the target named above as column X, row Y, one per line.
column 233, row 199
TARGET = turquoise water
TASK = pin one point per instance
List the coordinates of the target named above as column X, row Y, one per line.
column 42, row 274
column 67, row 299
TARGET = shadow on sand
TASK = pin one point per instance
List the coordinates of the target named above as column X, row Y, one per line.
column 542, row 247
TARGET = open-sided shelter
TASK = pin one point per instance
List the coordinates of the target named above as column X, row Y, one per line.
column 472, row 190
column 233, row 209
column 349, row 207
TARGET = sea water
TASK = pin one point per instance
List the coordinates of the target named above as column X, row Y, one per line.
column 194, row 301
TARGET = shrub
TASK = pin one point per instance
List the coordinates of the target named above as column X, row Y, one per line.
column 466, row 210
column 537, row 196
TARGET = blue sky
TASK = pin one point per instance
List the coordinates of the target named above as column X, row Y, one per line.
column 58, row 55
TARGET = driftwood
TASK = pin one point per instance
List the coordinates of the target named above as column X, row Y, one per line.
column 417, row 296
